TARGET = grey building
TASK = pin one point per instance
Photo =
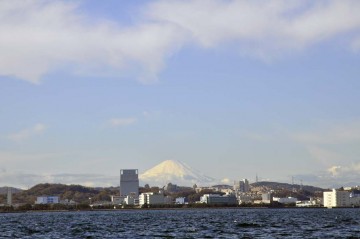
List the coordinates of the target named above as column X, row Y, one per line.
column 129, row 182
column 241, row 186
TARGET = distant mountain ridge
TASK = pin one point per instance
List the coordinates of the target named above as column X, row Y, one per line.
column 4, row 190
column 176, row 172
column 287, row 186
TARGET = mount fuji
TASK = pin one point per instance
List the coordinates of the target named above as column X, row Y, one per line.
column 176, row 172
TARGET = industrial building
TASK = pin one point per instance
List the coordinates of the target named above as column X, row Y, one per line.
column 218, row 199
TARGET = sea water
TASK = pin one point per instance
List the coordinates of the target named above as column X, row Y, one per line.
column 184, row 223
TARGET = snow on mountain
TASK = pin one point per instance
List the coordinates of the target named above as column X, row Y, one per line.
column 176, row 172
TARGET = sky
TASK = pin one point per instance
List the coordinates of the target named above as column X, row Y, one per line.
column 232, row 88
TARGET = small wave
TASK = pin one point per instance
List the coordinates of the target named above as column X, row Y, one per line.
column 245, row 224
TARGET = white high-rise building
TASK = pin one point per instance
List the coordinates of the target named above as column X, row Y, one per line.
column 337, row 198
column 9, row 196
column 129, row 182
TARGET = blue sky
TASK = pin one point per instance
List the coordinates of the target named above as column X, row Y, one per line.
column 231, row 88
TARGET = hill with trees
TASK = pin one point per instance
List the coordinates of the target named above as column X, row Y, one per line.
column 77, row 193
column 285, row 186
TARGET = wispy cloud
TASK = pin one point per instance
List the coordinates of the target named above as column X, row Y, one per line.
column 260, row 26
column 340, row 171
column 258, row 137
column 118, row 122
column 331, row 134
column 331, row 143
column 58, row 34
column 27, row 133
column 323, row 155
column 334, row 176
column 22, row 158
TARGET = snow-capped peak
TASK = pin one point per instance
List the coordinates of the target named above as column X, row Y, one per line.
column 175, row 172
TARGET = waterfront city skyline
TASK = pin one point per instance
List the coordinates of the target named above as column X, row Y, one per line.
column 233, row 89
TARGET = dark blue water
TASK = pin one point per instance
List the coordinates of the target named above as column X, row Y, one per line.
column 193, row 223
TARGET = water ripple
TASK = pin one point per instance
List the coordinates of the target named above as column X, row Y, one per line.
column 194, row 223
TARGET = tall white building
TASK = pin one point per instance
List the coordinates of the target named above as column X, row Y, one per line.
column 129, row 182
column 9, row 196
column 337, row 198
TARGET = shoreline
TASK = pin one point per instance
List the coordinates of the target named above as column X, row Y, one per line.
column 169, row 209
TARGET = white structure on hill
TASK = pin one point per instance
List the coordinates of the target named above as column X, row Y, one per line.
column 129, row 182
column 47, row 200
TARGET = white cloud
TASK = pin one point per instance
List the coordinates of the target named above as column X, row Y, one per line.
column 52, row 34
column 334, row 170
column 258, row 137
column 122, row 121
column 27, row 133
column 331, row 134
column 331, row 144
column 340, row 171
column 260, row 26
column 39, row 36
column 334, row 176
column 226, row 180
column 323, row 155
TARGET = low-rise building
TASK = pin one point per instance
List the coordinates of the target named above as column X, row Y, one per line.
column 354, row 199
column 130, row 200
column 180, row 200
column 67, row 202
column 287, row 200
column 244, row 198
column 218, row 199
column 150, row 198
column 117, row 200
column 168, row 200
column 267, row 198
column 47, row 200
